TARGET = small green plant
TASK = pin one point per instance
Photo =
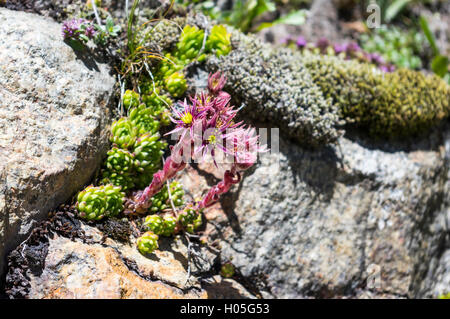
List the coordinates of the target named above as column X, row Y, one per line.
column 123, row 133
column 130, row 99
column 401, row 48
column 244, row 12
column 170, row 223
column 95, row 203
column 227, row 270
column 106, row 32
column 219, row 41
column 440, row 63
column 147, row 243
column 147, row 152
column 144, row 119
column 161, row 201
column 154, row 223
column 119, row 167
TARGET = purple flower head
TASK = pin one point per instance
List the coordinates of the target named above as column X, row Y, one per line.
column 339, row 48
column 352, row 47
column 245, row 148
column 90, row 32
column 71, row 28
column 216, row 82
column 186, row 119
column 301, row 42
column 322, row 44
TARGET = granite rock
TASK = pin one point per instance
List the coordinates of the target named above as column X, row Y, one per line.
column 54, row 120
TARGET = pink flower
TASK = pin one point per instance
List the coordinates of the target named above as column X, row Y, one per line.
column 186, row 119
column 207, row 123
column 216, row 82
column 245, row 148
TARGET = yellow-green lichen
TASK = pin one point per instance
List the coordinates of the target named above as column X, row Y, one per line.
column 401, row 103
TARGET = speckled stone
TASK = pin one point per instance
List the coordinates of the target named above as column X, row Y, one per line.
column 53, row 121
column 355, row 220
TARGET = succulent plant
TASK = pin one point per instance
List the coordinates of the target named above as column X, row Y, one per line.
column 219, row 41
column 189, row 44
column 147, row 243
column 119, row 160
column 176, row 84
column 198, row 221
column 123, row 133
column 161, row 200
column 130, row 99
column 154, row 223
column 191, row 220
column 227, row 270
column 147, row 152
column 168, row 66
column 169, row 225
column 119, row 166
column 125, row 180
column 143, row 119
column 95, row 203
column 396, row 46
column 187, row 216
column 154, row 99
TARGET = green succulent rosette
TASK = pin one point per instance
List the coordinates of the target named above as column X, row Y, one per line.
column 130, row 99
column 169, row 225
column 189, row 44
column 123, row 133
column 159, row 104
column 143, row 119
column 198, row 221
column 161, row 201
column 119, row 166
column 119, row 160
column 227, row 270
column 125, row 181
column 154, row 223
column 219, row 41
column 187, row 217
column 169, row 65
column 95, row 203
column 147, row 243
column 176, row 84
column 147, row 152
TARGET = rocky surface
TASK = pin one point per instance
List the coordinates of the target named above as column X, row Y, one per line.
column 53, row 121
column 65, row 258
column 357, row 220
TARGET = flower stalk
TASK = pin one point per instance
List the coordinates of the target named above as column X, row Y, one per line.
column 206, row 127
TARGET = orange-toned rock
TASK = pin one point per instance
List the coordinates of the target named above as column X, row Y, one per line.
column 78, row 270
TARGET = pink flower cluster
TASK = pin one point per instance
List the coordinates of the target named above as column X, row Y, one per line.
column 78, row 29
column 206, row 128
